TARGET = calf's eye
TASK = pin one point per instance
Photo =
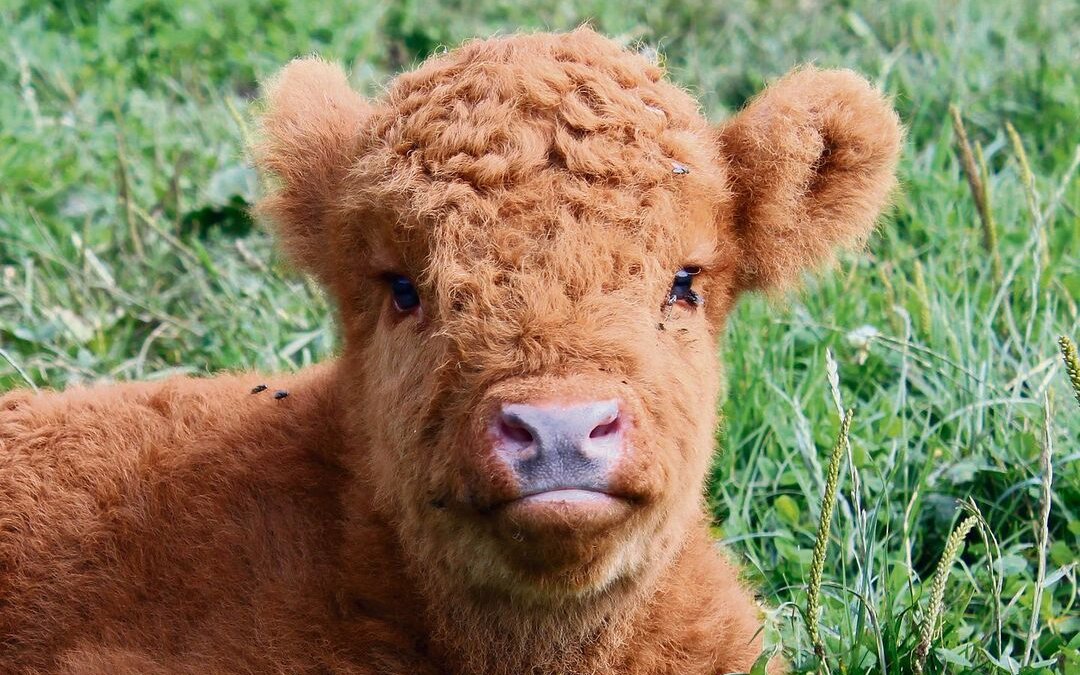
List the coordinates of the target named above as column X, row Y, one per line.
column 403, row 292
column 682, row 289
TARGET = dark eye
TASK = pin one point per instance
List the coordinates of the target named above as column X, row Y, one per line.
column 406, row 298
column 682, row 288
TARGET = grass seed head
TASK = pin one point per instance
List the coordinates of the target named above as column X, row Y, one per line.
column 821, row 542
column 1072, row 364
column 937, row 590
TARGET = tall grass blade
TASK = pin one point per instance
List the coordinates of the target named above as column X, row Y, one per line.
column 1045, row 499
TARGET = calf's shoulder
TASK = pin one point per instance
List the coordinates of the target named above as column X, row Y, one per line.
column 190, row 513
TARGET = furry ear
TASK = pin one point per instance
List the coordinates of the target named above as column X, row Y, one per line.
column 811, row 164
column 309, row 130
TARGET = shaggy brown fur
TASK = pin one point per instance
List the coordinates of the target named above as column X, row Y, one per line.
column 542, row 191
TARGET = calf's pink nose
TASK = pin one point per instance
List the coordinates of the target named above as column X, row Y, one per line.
column 555, row 447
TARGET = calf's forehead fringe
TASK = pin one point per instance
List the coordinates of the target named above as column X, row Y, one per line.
column 533, row 138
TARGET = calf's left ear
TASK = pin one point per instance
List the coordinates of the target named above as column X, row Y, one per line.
column 308, row 133
column 811, row 163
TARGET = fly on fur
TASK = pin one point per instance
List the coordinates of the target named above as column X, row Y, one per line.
column 682, row 287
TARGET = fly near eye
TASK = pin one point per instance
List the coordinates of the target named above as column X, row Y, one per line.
column 682, row 287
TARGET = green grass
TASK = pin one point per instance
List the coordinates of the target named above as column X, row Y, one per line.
column 125, row 253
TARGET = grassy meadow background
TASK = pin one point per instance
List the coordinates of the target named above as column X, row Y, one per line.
column 126, row 252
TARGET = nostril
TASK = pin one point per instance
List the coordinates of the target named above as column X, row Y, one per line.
column 511, row 430
column 607, row 428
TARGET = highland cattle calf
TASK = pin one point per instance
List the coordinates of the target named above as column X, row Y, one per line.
column 532, row 243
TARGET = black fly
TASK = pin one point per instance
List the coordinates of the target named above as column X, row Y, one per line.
column 681, row 287
column 280, row 394
column 258, row 389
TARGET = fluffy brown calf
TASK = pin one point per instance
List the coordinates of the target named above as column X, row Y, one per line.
column 533, row 243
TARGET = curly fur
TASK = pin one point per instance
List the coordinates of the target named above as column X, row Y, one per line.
column 542, row 190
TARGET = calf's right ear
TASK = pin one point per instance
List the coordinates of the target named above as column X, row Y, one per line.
column 309, row 129
column 811, row 164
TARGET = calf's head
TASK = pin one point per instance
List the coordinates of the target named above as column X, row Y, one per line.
column 533, row 243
